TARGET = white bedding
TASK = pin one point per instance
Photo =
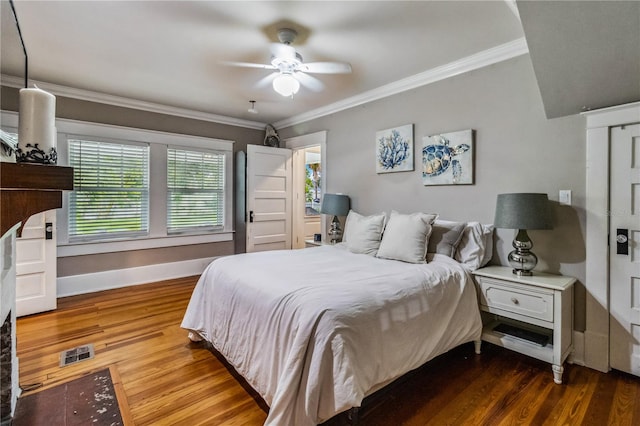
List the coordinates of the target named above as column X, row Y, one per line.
column 316, row 330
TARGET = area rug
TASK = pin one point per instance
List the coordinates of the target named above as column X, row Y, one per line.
column 88, row 400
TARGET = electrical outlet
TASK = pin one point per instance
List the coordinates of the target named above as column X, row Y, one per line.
column 565, row 197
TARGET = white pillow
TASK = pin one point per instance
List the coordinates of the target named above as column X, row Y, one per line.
column 487, row 233
column 471, row 249
column 405, row 237
column 362, row 234
column 476, row 245
column 445, row 237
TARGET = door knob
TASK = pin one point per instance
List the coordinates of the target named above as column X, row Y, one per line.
column 622, row 241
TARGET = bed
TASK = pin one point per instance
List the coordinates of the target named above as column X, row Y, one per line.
column 314, row 331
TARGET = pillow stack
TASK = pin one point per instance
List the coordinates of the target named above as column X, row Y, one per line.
column 409, row 237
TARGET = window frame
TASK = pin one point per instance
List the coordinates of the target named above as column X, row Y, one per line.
column 199, row 229
column 119, row 235
column 158, row 142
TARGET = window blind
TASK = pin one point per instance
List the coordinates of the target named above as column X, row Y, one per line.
column 111, row 190
column 195, row 190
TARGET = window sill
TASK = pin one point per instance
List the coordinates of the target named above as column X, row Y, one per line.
column 99, row 247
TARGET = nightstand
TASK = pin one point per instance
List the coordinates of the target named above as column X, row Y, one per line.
column 311, row 243
column 531, row 315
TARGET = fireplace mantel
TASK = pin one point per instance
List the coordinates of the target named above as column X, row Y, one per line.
column 27, row 189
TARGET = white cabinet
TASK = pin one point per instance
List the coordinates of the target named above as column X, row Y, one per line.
column 532, row 315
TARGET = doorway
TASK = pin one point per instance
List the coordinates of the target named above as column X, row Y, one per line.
column 309, row 177
column 596, row 340
column 624, row 249
column 308, row 183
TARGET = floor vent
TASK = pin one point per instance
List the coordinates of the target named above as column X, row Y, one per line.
column 71, row 356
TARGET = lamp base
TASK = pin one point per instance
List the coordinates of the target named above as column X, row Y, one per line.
column 521, row 272
column 522, row 260
column 335, row 232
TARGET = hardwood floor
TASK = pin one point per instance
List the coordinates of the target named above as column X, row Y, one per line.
column 169, row 381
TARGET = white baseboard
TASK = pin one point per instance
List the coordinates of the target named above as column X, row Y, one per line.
column 107, row 280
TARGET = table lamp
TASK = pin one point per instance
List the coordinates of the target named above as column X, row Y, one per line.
column 336, row 205
column 523, row 211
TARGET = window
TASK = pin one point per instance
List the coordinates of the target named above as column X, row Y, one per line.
column 111, row 190
column 122, row 195
column 195, row 190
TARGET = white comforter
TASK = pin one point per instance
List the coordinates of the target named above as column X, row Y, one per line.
column 314, row 331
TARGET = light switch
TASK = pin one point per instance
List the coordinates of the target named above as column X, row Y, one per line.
column 565, row 197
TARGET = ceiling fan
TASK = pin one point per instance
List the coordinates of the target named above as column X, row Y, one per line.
column 289, row 69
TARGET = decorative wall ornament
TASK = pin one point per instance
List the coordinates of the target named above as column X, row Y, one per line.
column 394, row 149
column 447, row 159
column 271, row 137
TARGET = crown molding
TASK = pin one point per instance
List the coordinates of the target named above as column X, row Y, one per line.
column 485, row 58
column 482, row 59
column 88, row 95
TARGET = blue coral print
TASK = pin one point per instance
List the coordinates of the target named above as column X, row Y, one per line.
column 394, row 149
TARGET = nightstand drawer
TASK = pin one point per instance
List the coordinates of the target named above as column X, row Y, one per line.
column 516, row 299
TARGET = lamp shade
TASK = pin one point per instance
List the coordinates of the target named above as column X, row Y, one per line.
column 335, row 204
column 286, row 85
column 523, row 211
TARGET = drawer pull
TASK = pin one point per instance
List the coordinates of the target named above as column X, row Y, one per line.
column 515, row 301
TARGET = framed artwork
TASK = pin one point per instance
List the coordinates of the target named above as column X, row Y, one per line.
column 394, row 149
column 447, row 159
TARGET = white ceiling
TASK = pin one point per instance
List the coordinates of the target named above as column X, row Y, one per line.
column 170, row 52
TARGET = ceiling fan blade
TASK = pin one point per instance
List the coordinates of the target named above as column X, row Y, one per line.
column 308, row 81
column 326, row 67
column 266, row 80
column 249, row 65
column 283, row 51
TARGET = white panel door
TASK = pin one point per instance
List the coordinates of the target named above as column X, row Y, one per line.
column 269, row 192
column 36, row 266
column 624, row 275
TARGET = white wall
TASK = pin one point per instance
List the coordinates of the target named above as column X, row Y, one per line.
column 516, row 150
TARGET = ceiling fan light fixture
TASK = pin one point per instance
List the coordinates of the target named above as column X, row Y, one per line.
column 286, row 85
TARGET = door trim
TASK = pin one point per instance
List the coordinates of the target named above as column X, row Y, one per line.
column 596, row 335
